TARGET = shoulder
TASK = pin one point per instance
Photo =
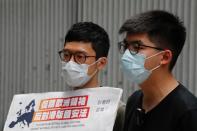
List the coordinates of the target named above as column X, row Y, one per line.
column 184, row 98
column 187, row 122
column 134, row 98
column 132, row 103
column 185, row 108
column 135, row 95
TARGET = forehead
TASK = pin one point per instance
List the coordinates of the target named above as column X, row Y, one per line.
column 143, row 37
column 79, row 46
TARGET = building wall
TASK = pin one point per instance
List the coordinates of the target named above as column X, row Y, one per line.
column 32, row 32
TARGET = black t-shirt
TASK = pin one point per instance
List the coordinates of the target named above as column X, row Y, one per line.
column 176, row 112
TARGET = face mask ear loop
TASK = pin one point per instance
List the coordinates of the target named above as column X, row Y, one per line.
column 93, row 73
column 93, row 63
column 95, row 70
column 155, row 55
column 155, row 67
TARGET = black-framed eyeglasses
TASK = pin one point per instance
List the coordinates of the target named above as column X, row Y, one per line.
column 133, row 46
column 79, row 57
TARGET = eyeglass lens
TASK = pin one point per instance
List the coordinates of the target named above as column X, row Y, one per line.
column 79, row 57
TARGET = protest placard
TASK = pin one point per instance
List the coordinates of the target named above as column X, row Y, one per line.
column 92, row 109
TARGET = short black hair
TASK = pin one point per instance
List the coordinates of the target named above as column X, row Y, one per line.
column 90, row 32
column 163, row 28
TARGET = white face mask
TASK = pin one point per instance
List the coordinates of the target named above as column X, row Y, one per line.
column 133, row 66
column 76, row 75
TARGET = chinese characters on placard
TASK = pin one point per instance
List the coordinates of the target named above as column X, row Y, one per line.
column 62, row 109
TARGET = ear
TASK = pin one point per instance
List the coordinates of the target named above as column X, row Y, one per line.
column 102, row 63
column 167, row 57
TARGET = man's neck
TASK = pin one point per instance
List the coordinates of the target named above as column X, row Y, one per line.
column 156, row 90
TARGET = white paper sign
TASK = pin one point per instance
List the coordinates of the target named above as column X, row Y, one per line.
column 91, row 109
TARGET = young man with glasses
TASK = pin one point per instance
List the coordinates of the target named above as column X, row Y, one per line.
column 152, row 45
column 83, row 56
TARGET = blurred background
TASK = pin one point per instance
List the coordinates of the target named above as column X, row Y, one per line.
column 32, row 32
